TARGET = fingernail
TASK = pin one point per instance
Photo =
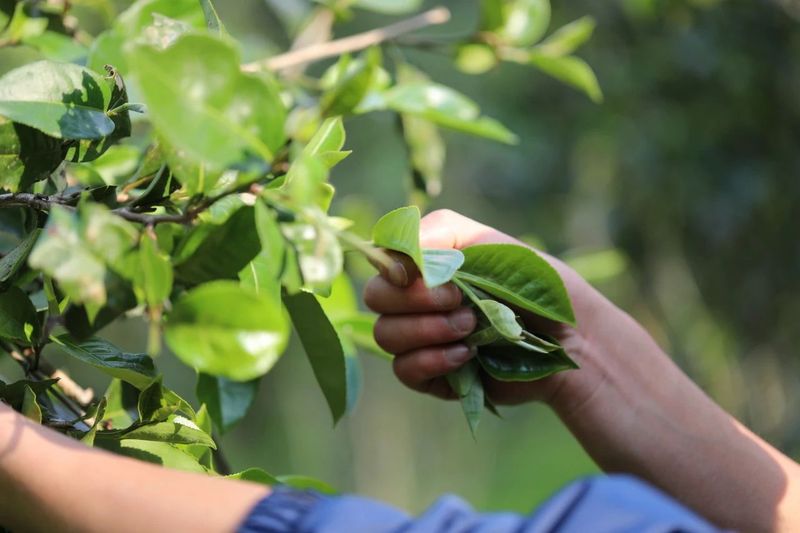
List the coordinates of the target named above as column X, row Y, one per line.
column 459, row 354
column 397, row 274
column 446, row 296
column 462, row 320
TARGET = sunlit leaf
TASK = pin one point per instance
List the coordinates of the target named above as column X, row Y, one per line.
column 201, row 102
column 568, row 38
column 63, row 100
column 570, row 70
column 222, row 329
column 445, row 107
column 519, row 276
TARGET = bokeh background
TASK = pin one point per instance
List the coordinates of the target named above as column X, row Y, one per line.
column 678, row 197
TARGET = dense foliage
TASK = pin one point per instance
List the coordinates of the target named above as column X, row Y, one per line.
column 147, row 172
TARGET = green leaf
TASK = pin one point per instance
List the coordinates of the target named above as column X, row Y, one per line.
column 524, row 22
column 568, row 38
column 305, row 181
column 319, row 254
column 476, row 58
column 425, row 144
column 157, row 403
column 134, row 368
column 99, row 416
column 121, row 404
column 63, row 100
column 152, row 282
column 118, row 109
column 57, row 46
column 502, row 318
column 202, row 103
column 222, row 329
column 255, row 475
column 115, row 165
column 178, row 431
column 445, row 107
column 358, row 329
column 227, row 401
column 141, row 17
column 211, row 251
column 16, row 393
column 398, row 230
column 76, row 248
column 26, row 155
column 327, row 142
column 213, row 21
column 519, row 276
column 14, row 260
column 271, row 239
column 570, row 70
column 307, row 483
column 483, row 336
column 30, row 406
column 323, row 348
column 160, row 453
column 18, row 321
column 466, row 383
column 510, row 362
column 22, row 25
column 353, row 80
column 439, row 266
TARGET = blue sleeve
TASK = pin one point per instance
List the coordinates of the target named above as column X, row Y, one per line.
column 603, row 504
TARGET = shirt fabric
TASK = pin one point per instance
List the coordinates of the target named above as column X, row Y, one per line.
column 602, row 504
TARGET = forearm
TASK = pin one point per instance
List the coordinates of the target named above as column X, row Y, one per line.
column 645, row 417
column 51, row 483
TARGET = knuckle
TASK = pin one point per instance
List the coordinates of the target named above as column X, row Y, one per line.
column 444, row 297
column 435, row 330
column 372, row 290
column 382, row 333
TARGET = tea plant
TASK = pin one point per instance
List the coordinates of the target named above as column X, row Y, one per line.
column 149, row 172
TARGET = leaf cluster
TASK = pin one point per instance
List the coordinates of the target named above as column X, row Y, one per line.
column 499, row 281
column 145, row 172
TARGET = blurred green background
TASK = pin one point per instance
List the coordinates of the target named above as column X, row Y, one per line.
column 678, row 197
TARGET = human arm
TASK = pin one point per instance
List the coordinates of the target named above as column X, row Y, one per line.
column 49, row 482
column 629, row 405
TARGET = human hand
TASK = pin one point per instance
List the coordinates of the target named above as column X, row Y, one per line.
column 425, row 328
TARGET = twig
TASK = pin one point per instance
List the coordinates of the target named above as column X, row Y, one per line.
column 308, row 54
column 74, row 392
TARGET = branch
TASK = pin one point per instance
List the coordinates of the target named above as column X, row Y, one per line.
column 312, row 53
column 187, row 217
column 43, row 202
